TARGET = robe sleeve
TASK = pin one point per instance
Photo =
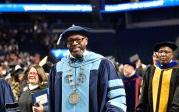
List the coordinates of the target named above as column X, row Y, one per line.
column 175, row 102
column 115, row 97
column 51, row 85
column 6, row 95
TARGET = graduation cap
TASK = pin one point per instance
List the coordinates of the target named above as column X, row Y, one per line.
column 131, row 64
column 134, row 58
column 17, row 69
column 169, row 44
column 73, row 30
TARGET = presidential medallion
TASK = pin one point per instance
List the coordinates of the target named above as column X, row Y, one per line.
column 74, row 98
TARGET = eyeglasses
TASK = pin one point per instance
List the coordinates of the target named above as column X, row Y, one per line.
column 78, row 40
column 164, row 51
column 32, row 73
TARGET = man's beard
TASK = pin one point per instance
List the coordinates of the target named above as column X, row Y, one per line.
column 78, row 55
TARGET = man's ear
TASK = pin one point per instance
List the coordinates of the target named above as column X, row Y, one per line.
column 86, row 42
column 68, row 45
column 173, row 56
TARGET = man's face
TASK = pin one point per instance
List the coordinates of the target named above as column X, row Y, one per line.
column 165, row 54
column 76, row 43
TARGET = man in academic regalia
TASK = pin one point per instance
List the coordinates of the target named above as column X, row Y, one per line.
column 6, row 95
column 84, row 81
column 160, row 89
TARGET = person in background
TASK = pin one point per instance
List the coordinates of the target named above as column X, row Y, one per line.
column 36, row 81
column 3, row 70
column 132, row 85
column 160, row 89
column 20, row 74
column 6, row 95
column 140, row 67
column 84, row 81
column 15, row 81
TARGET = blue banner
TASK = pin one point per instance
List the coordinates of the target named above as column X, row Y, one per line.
column 86, row 8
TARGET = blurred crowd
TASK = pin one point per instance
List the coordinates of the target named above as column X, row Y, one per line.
column 18, row 49
column 18, row 53
column 19, row 66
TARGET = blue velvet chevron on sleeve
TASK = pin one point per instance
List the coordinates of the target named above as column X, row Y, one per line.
column 116, row 97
